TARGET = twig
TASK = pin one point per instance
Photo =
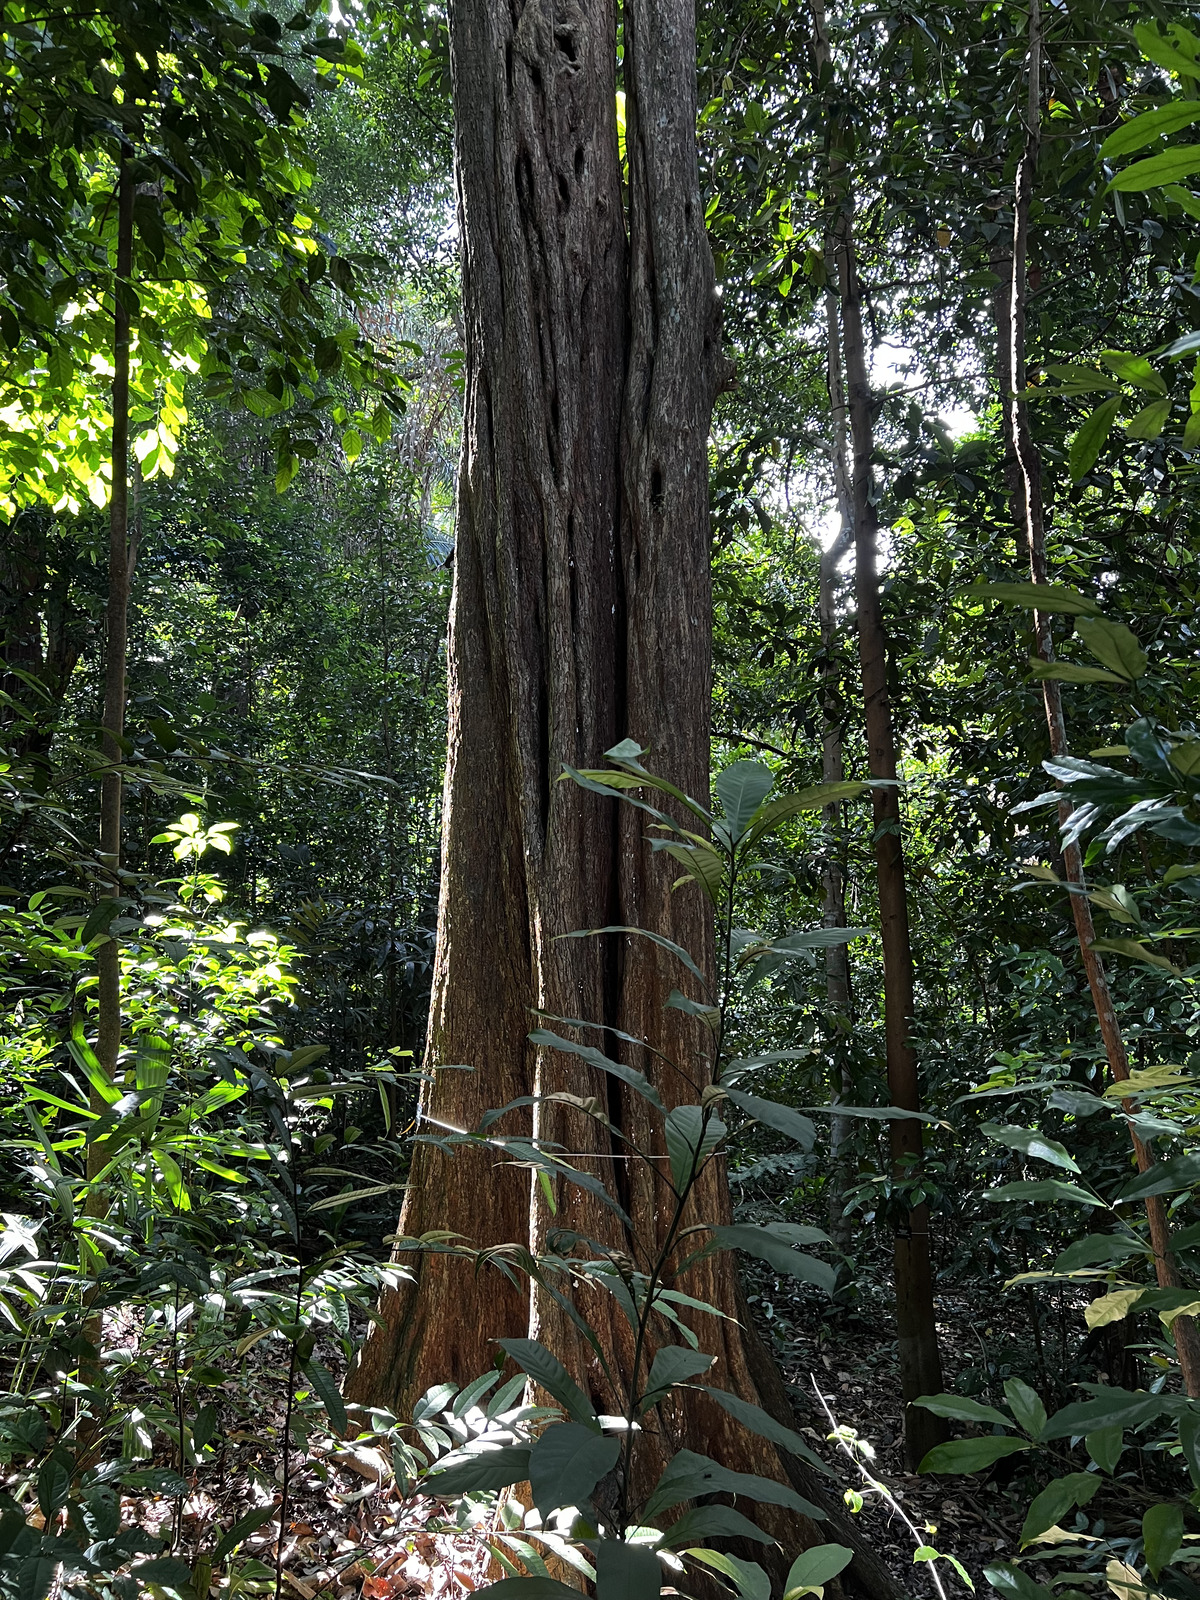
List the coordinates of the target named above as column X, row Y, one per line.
column 878, row 1487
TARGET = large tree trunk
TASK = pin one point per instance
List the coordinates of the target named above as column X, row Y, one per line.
column 581, row 614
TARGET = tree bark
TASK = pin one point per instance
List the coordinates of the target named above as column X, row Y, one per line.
column 108, row 1042
column 919, row 1359
column 581, row 614
column 1025, row 481
column 833, row 770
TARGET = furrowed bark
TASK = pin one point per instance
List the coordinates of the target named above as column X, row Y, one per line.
column 581, row 615
column 1026, row 484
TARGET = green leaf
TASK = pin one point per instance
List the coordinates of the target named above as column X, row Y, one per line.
column 1056, row 597
column 549, row 1371
column 1070, row 672
column 627, row 1571
column 1098, row 1249
column 674, row 1363
column 1162, row 1535
column 1164, row 1177
column 747, row 1577
column 815, row 798
column 1150, row 420
column 328, row 1393
column 1136, row 951
column 1158, row 170
column 1055, row 1500
column 691, row 1137
column 636, row 1080
column 1043, row 1189
column 167, row 1572
column 567, row 1463
column 352, row 445
column 960, row 1409
column 1164, row 53
column 687, row 1475
column 814, row 1568
column 782, row 1118
column 1030, row 1143
column 1105, row 1446
column 1014, row 1584
column 643, row 933
column 1138, row 132
column 1123, row 1408
column 53, row 1483
column 98, row 920
column 1189, row 1443
column 242, row 1529
column 767, row 1427
column 1090, row 439
column 1113, row 645
column 487, row 1469
column 742, row 788
column 970, row 1455
column 1133, row 369
column 765, row 1243
column 711, row 1522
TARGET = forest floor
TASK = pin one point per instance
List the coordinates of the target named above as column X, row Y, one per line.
column 351, row 1534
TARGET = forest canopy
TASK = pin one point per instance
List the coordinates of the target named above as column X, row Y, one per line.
column 599, row 800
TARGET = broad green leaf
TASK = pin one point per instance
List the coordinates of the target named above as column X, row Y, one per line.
column 970, row 1455
column 1112, row 1307
column 1099, row 1249
column 691, row 1138
column 1030, row 1143
column 329, row 1395
column 1163, row 52
column 1070, row 672
column 1136, row 951
column 1158, row 170
column 815, row 798
column 782, row 1118
column 1090, row 439
column 747, row 1577
column 352, row 445
column 1113, row 645
column 674, row 1363
column 487, row 1469
column 627, row 1571
column 636, row 1080
column 814, row 1568
column 776, row 1252
column 548, row 1370
column 1164, row 1177
column 1150, row 420
column 742, row 788
column 767, row 1427
column 1026, row 1406
column 687, row 1475
column 242, row 1529
column 1124, row 1408
column 1043, row 1189
column 711, row 1522
column 567, row 1463
column 1105, row 1446
column 1014, row 1584
column 1162, row 1535
column 960, row 1409
column 1134, row 369
column 1189, row 1443
column 1057, row 597
column 1138, row 132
